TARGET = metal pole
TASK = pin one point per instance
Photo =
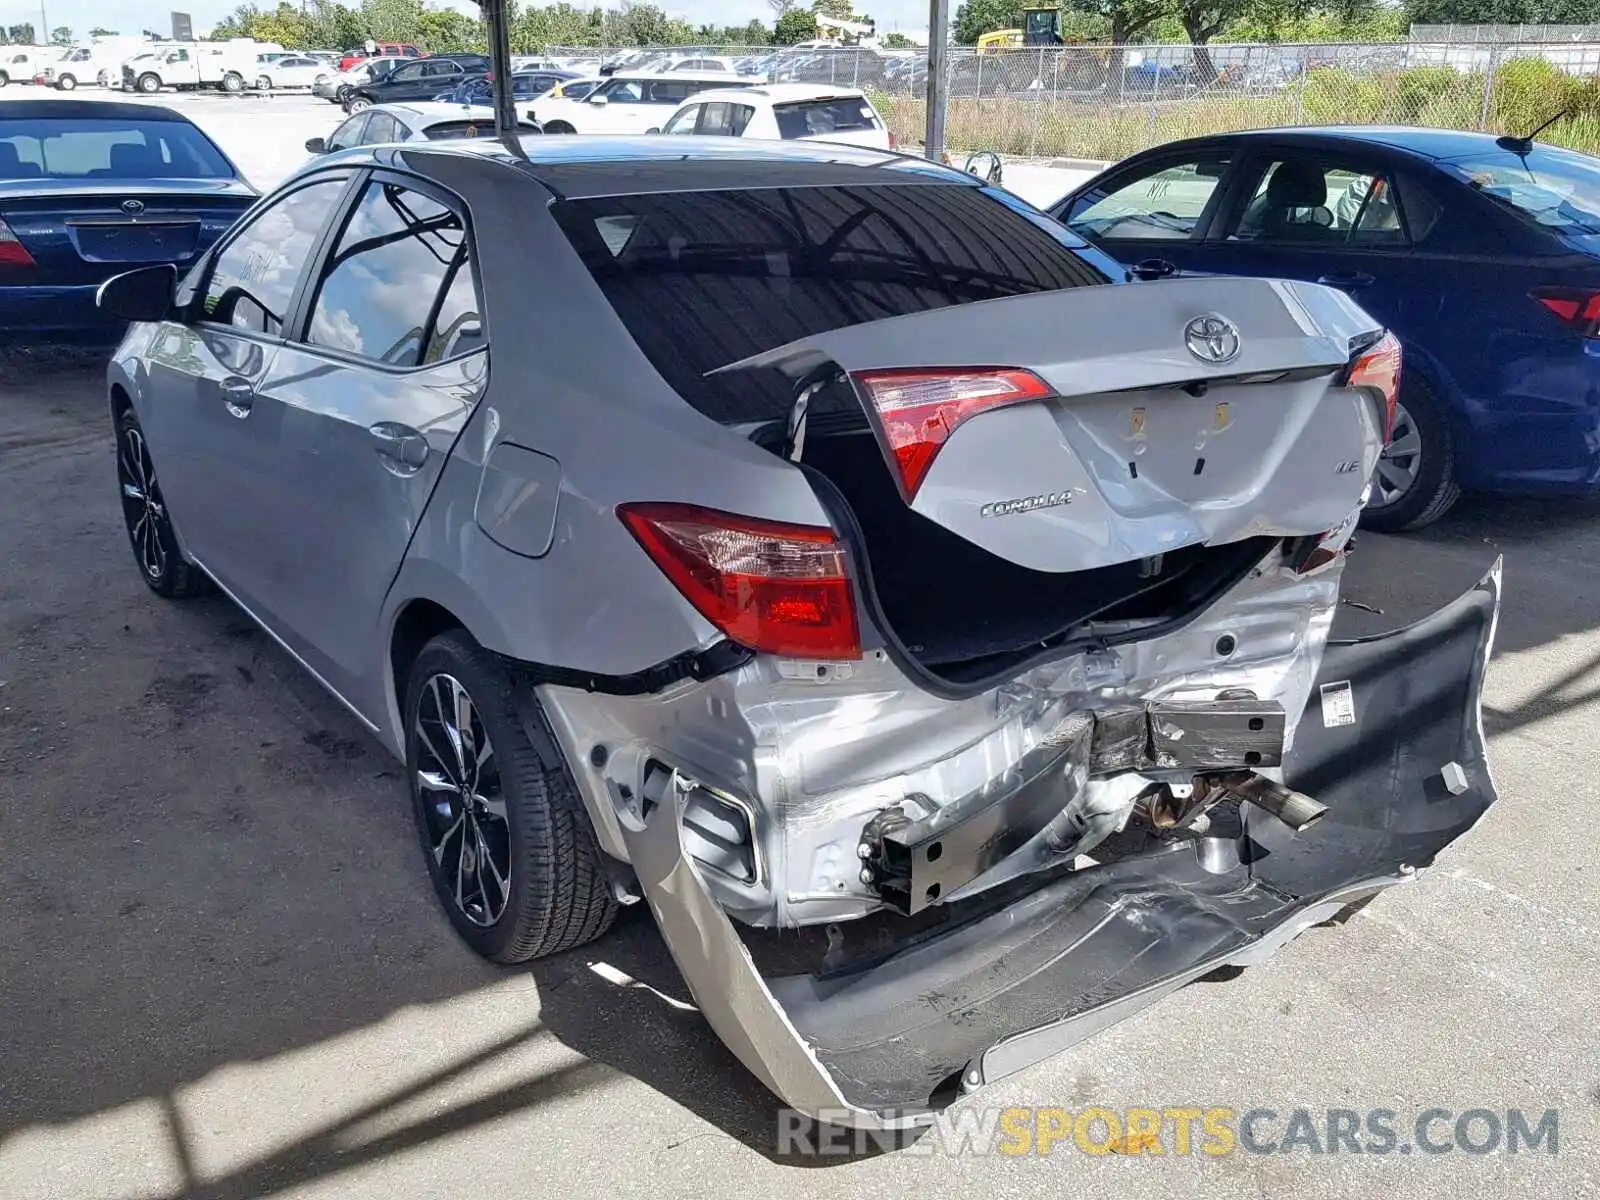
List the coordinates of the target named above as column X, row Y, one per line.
column 938, row 81
column 505, row 108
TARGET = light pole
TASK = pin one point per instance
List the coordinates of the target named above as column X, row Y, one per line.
column 938, row 56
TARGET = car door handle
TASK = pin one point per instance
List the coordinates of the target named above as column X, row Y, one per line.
column 1346, row 279
column 403, row 449
column 1154, row 268
column 238, row 395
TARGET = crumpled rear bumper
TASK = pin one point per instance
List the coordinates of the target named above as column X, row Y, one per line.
column 993, row 985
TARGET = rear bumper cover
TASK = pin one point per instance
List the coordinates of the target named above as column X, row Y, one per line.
column 1001, row 984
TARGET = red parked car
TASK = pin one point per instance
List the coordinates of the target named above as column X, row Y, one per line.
column 352, row 57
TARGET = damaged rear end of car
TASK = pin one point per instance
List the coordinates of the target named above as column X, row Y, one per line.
column 1038, row 718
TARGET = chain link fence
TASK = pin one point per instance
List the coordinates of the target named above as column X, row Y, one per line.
column 1106, row 102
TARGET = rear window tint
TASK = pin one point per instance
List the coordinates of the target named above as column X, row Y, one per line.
column 703, row 279
column 1555, row 189
column 446, row 131
column 814, row 118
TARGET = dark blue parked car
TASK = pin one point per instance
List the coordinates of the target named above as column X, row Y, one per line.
column 1481, row 254
column 91, row 188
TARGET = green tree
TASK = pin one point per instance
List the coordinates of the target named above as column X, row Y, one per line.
column 392, row 20
column 1474, row 12
column 1125, row 19
column 840, row 10
column 447, row 31
column 99, row 31
column 334, row 26
column 61, row 35
column 756, row 34
column 898, row 41
column 796, row 25
column 978, row 17
column 21, row 34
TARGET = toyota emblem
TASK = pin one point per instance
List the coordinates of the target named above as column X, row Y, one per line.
column 1212, row 339
column 133, row 207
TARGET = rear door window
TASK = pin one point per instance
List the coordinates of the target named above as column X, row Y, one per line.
column 703, row 279
column 254, row 278
column 398, row 287
column 1319, row 201
column 816, row 118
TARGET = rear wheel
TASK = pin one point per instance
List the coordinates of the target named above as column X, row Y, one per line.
column 504, row 835
column 356, row 103
column 66, row 83
column 149, row 84
column 144, row 511
column 1415, row 483
column 233, row 82
column 263, row 83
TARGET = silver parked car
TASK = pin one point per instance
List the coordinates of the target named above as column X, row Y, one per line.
column 825, row 548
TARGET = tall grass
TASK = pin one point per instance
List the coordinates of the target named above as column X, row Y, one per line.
column 1523, row 93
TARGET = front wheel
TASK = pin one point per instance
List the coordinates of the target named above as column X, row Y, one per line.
column 149, row 84
column 4, row 79
column 559, row 127
column 166, row 571
column 341, row 94
column 1415, row 483
column 504, row 836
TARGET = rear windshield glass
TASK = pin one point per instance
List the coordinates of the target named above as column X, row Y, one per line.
column 703, row 279
column 1560, row 192
column 56, row 149
column 814, row 118
column 446, row 131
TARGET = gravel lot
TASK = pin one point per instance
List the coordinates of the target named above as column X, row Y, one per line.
column 222, row 973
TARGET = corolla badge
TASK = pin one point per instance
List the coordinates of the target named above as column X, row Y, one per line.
column 133, row 207
column 1212, row 339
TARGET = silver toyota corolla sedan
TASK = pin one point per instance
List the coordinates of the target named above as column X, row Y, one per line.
column 827, row 549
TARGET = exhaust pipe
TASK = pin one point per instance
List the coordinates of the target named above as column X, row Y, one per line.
column 1295, row 809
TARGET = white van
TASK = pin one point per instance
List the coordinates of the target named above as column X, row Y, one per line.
column 22, row 64
column 230, row 66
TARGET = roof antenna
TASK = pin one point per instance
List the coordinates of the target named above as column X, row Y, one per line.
column 1524, row 145
column 502, row 89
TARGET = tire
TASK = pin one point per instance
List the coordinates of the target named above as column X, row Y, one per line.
column 559, row 127
column 341, row 94
column 556, row 895
column 4, row 79
column 66, row 83
column 165, row 570
column 149, row 84
column 356, row 103
column 1422, row 447
column 263, row 83
column 232, row 82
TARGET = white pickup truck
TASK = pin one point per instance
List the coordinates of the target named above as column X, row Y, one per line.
column 190, row 67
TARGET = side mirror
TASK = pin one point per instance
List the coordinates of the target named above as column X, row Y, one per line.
column 599, row 100
column 141, row 295
column 317, row 145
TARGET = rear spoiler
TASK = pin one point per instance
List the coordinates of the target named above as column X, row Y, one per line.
column 1091, row 340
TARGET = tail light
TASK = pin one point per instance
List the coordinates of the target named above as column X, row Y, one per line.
column 919, row 410
column 1378, row 367
column 1576, row 308
column 771, row 586
column 12, row 252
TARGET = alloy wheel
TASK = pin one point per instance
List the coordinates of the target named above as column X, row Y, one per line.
column 464, row 807
column 1400, row 462
column 142, row 506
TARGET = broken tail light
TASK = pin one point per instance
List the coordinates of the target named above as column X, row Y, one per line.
column 1378, row 368
column 1576, row 308
column 774, row 587
column 918, row 410
column 12, row 252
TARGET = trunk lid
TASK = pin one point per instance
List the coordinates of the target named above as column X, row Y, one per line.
column 1144, row 445
column 85, row 234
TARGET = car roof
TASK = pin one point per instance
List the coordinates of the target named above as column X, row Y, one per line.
column 87, row 110
column 781, row 93
column 676, row 76
column 1428, row 143
column 583, row 167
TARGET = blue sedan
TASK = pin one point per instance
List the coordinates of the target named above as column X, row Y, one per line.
column 89, row 189
column 1481, row 254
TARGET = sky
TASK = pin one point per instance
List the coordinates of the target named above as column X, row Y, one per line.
column 130, row 16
